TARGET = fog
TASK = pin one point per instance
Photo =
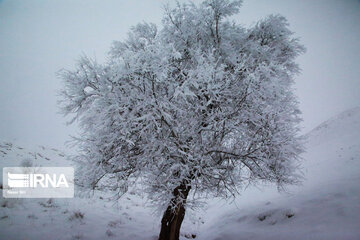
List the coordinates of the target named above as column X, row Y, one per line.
column 38, row 38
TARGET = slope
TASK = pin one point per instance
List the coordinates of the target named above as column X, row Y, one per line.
column 325, row 206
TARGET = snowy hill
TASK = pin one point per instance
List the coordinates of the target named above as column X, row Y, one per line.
column 344, row 126
column 78, row 218
column 325, row 206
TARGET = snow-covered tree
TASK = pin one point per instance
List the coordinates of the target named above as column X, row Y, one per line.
column 201, row 105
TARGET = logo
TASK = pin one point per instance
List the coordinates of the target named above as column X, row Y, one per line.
column 33, row 180
column 40, row 182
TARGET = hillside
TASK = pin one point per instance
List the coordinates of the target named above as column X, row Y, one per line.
column 326, row 206
column 78, row 218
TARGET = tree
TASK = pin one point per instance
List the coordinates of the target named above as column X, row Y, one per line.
column 202, row 105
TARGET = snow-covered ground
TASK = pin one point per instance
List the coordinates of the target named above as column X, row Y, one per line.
column 77, row 218
column 325, row 206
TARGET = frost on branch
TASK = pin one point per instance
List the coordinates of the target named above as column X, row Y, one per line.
column 201, row 102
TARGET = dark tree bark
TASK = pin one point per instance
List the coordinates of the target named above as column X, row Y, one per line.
column 174, row 214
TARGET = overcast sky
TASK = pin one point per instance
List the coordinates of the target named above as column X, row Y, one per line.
column 39, row 37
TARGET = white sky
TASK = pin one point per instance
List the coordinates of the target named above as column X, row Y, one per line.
column 39, row 37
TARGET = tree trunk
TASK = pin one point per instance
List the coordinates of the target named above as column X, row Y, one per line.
column 174, row 214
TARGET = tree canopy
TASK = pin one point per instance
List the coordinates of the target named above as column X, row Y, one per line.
column 201, row 102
